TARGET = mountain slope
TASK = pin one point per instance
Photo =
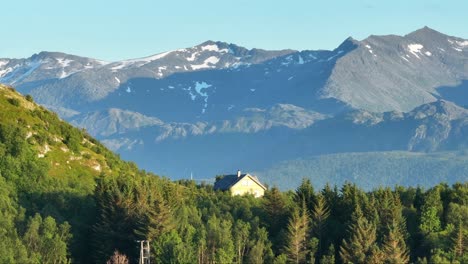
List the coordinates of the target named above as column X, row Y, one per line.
column 380, row 73
column 48, row 173
column 217, row 107
column 66, row 150
column 370, row 169
column 393, row 73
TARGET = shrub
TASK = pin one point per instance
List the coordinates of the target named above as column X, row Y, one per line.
column 14, row 101
column 29, row 98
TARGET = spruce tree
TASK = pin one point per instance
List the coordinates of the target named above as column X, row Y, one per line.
column 357, row 249
column 274, row 205
column 320, row 214
column 394, row 247
column 296, row 247
column 459, row 242
column 305, row 192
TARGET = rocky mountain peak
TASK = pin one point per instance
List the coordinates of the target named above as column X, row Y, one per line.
column 440, row 107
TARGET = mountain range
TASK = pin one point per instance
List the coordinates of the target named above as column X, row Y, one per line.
column 217, row 107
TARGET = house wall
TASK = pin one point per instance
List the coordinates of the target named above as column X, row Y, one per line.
column 246, row 186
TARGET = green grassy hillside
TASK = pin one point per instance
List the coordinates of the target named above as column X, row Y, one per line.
column 49, row 171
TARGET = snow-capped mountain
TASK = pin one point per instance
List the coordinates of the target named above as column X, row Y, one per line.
column 188, row 77
column 182, row 109
column 44, row 66
column 386, row 73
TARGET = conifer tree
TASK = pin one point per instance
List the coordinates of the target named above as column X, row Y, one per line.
column 459, row 242
column 358, row 248
column 320, row 214
column 276, row 220
column 296, row 247
column 305, row 192
column 394, row 247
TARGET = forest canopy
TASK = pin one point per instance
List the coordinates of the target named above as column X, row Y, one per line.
column 58, row 206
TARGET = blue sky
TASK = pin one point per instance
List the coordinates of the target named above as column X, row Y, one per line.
column 121, row 29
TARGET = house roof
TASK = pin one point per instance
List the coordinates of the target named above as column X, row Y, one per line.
column 227, row 181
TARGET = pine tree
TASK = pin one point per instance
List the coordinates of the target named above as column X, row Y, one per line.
column 357, row 249
column 320, row 214
column 296, row 247
column 459, row 243
column 274, row 206
column 305, row 192
column 394, row 247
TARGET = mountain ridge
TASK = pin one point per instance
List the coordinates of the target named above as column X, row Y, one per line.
column 259, row 107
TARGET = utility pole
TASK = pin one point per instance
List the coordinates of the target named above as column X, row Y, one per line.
column 144, row 252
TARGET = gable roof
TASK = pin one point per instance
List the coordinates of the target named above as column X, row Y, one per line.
column 227, row 181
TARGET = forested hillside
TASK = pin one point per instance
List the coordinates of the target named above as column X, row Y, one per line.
column 66, row 198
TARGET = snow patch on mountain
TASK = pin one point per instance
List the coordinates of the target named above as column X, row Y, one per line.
column 150, row 58
column 462, row 43
column 64, row 62
column 206, row 64
column 300, row 60
column 3, row 62
column 415, row 49
column 213, row 47
column 120, row 66
column 237, row 65
column 138, row 62
column 193, row 56
column 5, row 72
column 89, row 66
column 200, row 88
column 64, row 74
column 288, row 60
column 12, row 78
